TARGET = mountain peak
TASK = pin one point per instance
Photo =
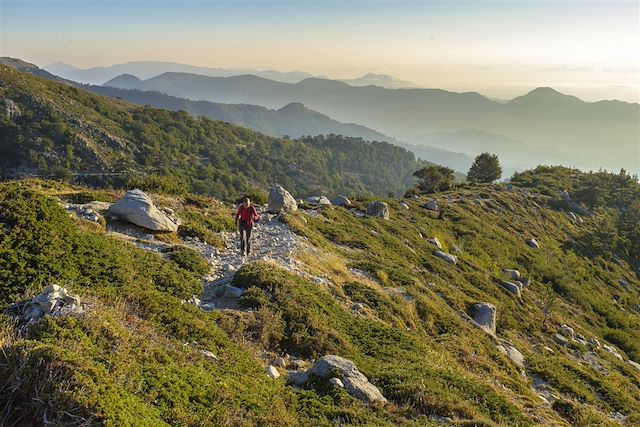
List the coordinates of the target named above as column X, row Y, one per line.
column 124, row 81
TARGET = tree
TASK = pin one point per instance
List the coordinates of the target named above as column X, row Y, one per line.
column 434, row 178
column 485, row 168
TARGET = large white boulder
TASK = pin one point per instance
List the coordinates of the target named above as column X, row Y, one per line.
column 280, row 200
column 355, row 383
column 137, row 208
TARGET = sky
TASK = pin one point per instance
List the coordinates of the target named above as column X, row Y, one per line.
column 503, row 49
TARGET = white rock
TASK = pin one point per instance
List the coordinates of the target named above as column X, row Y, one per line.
column 511, row 274
column 272, row 372
column 403, row 205
column 209, row 355
column 137, row 208
column 533, row 243
column 511, row 287
column 336, row 382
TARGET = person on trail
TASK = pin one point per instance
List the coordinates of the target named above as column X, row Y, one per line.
column 245, row 218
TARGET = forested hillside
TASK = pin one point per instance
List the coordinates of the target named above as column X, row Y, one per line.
column 54, row 129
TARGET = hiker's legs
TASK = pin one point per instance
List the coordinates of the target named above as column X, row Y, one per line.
column 242, row 239
column 248, row 244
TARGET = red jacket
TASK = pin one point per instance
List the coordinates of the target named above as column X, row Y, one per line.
column 247, row 216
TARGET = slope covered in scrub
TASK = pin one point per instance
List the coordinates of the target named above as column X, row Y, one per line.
column 138, row 355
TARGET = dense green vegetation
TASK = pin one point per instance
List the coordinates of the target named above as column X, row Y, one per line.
column 66, row 132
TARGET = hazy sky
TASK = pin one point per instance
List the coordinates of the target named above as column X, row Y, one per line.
column 587, row 48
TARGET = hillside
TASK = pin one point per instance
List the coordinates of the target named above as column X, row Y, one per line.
column 541, row 118
column 565, row 350
column 55, row 129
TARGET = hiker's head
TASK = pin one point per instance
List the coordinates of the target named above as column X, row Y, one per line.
column 246, row 202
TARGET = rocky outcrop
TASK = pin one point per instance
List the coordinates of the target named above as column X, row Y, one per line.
column 355, row 383
column 280, row 200
column 53, row 301
column 137, row 208
column 12, row 111
column 484, row 315
column 341, row 201
column 451, row 259
column 378, row 209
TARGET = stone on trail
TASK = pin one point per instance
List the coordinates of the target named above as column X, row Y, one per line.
column 280, row 200
column 137, row 208
column 451, row 259
column 484, row 315
column 355, row 383
column 378, row 209
column 341, row 201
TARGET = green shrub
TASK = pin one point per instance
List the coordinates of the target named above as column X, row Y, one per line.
column 190, row 260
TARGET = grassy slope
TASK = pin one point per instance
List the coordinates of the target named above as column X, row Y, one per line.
column 126, row 362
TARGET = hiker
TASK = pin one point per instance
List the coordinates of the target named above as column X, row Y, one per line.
column 245, row 217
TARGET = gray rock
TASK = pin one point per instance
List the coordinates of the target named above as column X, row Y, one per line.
column 318, row 200
column 594, row 342
column 560, row 339
column 511, row 287
column 572, row 216
column 525, row 281
column 229, row 291
column 533, row 243
column 624, row 284
column 358, row 306
column 431, row 205
column 611, row 349
column 280, row 200
column 137, row 208
column 378, row 209
column 484, row 315
column 53, row 301
column 451, row 259
column 511, row 274
column 512, row 353
column 209, row 355
column 341, row 201
column 280, row 362
column 355, row 383
column 298, row 378
column 435, row 242
column 403, row 205
column 634, row 364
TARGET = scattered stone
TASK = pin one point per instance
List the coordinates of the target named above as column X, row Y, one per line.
column 435, row 242
column 358, row 306
column 484, row 315
column 318, row 200
column 280, row 200
column 533, row 243
column 336, row 382
column 512, row 353
column 403, row 205
column 341, row 201
column 280, row 362
column 511, row 287
column 298, row 378
column 525, row 281
column 355, row 383
column 272, row 372
column 451, row 259
column 431, row 205
column 567, row 330
column 137, row 208
column 511, row 274
column 611, row 349
column 594, row 342
column 209, row 355
column 53, row 301
column 560, row 339
column 440, row 419
column 548, row 349
column 378, row 209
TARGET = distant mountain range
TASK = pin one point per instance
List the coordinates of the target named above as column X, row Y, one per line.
column 592, row 135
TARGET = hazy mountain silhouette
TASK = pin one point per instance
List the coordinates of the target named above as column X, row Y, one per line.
column 382, row 80
column 598, row 134
column 147, row 69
